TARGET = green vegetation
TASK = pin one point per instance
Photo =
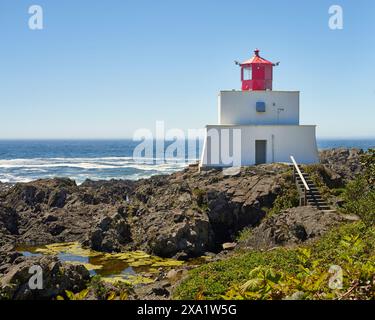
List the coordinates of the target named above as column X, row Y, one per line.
column 288, row 198
column 244, row 234
column 368, row 163
column 340, row 265
column 321, row 179
column 337, row 191
column 284, row 273
column 359, row 195
column 69, row 295
column 200, row 197
column 100, row 290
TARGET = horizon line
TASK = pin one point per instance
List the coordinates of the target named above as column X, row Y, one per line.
column 130, row 138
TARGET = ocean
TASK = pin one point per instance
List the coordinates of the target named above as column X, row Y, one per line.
column 23, row 161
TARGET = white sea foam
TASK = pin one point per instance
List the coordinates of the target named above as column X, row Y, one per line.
column 9, row 178
column 91, row 163
column 80, row 169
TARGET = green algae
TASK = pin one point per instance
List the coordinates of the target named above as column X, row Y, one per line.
column 73, row 248
column 131, row 279
column 130, row 267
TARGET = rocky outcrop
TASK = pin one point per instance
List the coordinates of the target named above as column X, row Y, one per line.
column 8, row 256
column 57, row 210
column 109, row 233
column 185, row 214
column 8, row 220
column 292, row 226
column 5, row 186
column 343, row 162
column 56, row 277
column 191, row 212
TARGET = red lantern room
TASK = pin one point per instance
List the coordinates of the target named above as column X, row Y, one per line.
column 256, row 73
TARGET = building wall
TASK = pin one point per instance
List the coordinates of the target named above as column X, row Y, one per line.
column 282, row 142
column 239, row 107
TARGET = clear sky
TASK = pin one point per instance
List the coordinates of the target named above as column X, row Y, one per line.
column 102, row 69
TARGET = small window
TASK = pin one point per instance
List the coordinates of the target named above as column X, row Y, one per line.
column 247, row 73
column 261, row 106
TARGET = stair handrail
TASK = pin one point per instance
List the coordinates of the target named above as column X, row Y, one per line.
column 300, row 174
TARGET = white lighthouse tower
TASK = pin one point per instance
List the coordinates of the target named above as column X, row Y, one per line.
column 257, row 124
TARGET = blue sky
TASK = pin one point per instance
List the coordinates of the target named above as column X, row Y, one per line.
column 102, row 69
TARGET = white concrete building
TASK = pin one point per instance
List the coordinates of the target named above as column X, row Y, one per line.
column 258, row 125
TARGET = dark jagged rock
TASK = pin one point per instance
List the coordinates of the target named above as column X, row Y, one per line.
column 345, row 163
column 5, row 186
column 56, row 278
column 8, row 220
column 193, row 212
column 57, row 210
column 185, row 214
column 7, row 256
column 109, row 233
column 291, row 227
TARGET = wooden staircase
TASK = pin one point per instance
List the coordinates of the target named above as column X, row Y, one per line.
column 308, row 192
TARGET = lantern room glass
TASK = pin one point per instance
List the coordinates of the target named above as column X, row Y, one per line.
column 247, row 73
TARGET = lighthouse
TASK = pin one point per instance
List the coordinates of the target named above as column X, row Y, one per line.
column 257, row 124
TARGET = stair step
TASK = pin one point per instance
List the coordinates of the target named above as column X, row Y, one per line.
column 319, row 205
column 315, row 199
column 314, row 196
column 318, row 202
column 306, row 178
column 309, row 182
column 310, row 187
column 313, row 193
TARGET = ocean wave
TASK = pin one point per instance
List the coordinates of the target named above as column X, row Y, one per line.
column 91, row 163
column 9, row 178
column 80, row 169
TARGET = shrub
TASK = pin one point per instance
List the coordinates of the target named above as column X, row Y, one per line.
column 368, row 165
column 244, row 234
column 359, row 195
column 359, row 199
column 288, row 198
column 301, row 273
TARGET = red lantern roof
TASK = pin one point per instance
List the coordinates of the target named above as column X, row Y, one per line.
column 256, row 59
